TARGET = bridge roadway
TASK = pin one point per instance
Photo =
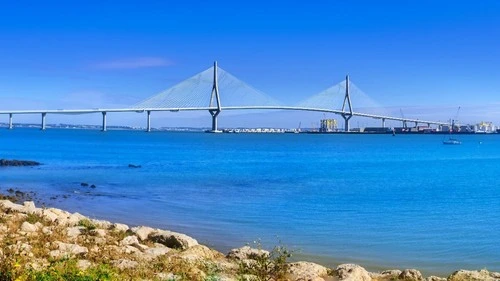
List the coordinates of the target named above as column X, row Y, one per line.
column 149, row 110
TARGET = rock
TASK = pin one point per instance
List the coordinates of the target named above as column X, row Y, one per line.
column 124, row 264
column 49, row 215
column 152, row 253
column 73, row 232
column 468, row 275
column 5, row 162
column 29, row 207
column 9, row 206
column 143, row 232
column 84, row 184
column 93, row 186
column 173, row 239
column 245, row 253
column 83, row 264
column 121, row 227
column 411, row 275
column 351, row 272
column 100, row 232
column 200, row 252
column 134, row 166
column 435, row 278
column 69, row 250
column 305, row 271
column 28, row 227
column 129, row 240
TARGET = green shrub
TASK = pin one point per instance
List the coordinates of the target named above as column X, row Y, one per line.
column 268, row 267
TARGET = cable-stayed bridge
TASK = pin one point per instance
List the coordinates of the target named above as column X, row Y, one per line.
column 215, row 90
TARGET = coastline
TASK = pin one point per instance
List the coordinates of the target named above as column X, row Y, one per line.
column 84, row 240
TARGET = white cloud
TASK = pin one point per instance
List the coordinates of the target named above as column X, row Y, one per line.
column 133, row 63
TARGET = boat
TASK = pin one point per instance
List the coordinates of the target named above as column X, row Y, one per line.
column 452, row 141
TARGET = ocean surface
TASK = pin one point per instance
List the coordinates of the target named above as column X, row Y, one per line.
column 383, row 202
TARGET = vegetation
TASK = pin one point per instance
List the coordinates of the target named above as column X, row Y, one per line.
column 266, row 266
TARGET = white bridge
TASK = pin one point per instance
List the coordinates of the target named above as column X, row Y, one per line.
column 194, row 94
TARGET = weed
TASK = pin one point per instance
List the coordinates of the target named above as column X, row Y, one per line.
column 87, row 224
column 34, row 218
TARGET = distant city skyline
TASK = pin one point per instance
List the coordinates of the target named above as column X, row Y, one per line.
column 422, row 59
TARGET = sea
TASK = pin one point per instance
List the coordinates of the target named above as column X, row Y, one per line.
column 381, row 201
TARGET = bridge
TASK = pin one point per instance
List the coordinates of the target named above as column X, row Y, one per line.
column 215, row 90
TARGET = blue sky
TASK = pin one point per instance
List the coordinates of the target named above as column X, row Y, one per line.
column 425, row 57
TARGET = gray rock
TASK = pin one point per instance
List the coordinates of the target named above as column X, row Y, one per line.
column 74, row 231
column 28, row 227
column 411, row 275
column 69, row 250
column 143, row 232
column 124, row 264
column 83, row 264
column 120, row 227
column 435, row 278
column 351, row 272
column 9, row 206
column 152, row 253
column 129, row 240
column 173, row 239
column 469, row 275
column 304, row 271
column 245, row 253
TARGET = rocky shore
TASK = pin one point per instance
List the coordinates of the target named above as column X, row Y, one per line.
column 52, row 242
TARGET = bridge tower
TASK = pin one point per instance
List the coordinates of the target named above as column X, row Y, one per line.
column 214, row 98
column 347, row 98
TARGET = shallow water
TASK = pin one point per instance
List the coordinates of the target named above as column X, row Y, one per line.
column 385, row 202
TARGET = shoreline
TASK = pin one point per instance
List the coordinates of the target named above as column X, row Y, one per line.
column 177, row 244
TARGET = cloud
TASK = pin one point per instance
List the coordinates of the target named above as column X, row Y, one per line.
column 133, row 63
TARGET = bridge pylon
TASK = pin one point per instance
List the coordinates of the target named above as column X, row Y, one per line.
column 347, row 99
column 215, row 101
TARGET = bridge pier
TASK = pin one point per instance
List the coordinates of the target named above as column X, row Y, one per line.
column 346, row 119
column 214, row 114
column 103, row 121
column 43, row 121
column 148, row 126
column 10, row 121
column 383, row 122
column 416, row 124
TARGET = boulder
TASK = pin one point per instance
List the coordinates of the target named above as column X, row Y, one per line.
column 435, row 278
column 124, row 264
column 68, row 250
column 9, row 206
column 245, row 253
column 129, row 240
column 83, row 264
column 28, row 227
column 173, row 239
column 73, row 232
column 469, row 275
column 152, row 253
column 143, row 232
column 200, row 252
column 351, row 272
column 411, row 275
column 120, row 227
column 305, row 271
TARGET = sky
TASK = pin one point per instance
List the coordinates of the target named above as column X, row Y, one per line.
column 421, row 59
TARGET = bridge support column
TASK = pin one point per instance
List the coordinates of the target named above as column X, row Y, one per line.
column 346, row 124
column 416, row 124
column 103, row 121
column 383, row 122
column 43, row 121
column 214, row 114
column 148, row 126
column 10, row 121
column 405, row 125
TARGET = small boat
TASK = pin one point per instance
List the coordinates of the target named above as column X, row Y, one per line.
column 452, row 141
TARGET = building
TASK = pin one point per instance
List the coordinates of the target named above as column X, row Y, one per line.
column 485, row 127
column 328, row 125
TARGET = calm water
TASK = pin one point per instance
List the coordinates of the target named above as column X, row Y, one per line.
column 384, row 202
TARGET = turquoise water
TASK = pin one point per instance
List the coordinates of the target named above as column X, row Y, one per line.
column 381, row 201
